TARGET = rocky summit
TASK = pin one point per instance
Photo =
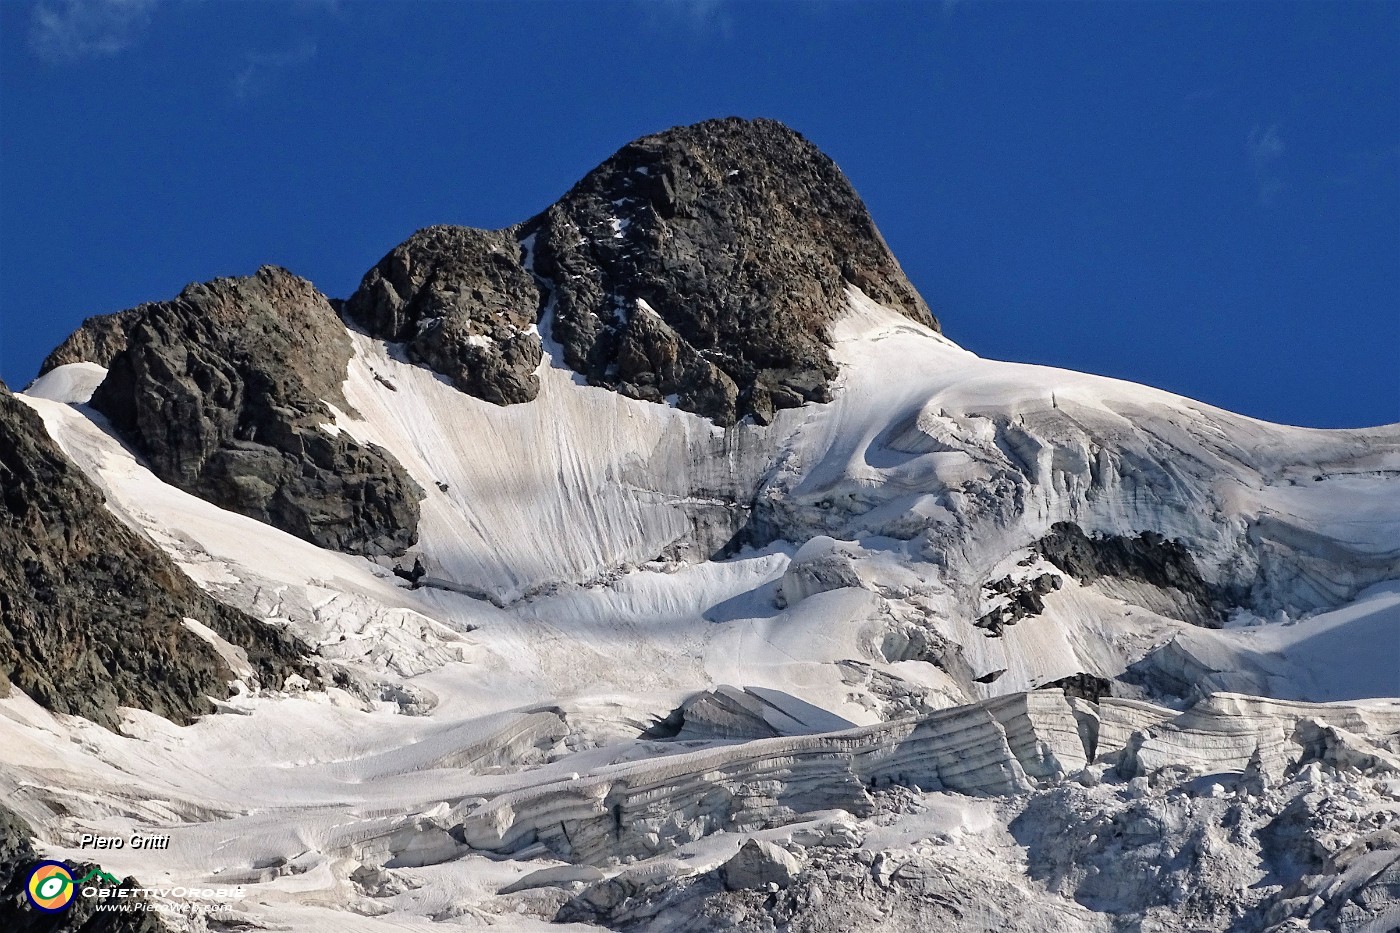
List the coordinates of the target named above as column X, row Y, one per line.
column 703, row 265
column 657, row 565
column 707, row 263
column 462, row 303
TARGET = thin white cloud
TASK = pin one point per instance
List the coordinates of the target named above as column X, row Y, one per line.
column 1265, row 145
column 1265, row 149
column 315, row 7
column 698, row 17
column 261, row 70
column 69, row 30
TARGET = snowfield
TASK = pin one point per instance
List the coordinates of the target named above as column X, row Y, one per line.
column 497, row 753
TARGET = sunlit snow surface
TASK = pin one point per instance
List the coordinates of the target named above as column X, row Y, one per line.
column 573, row 519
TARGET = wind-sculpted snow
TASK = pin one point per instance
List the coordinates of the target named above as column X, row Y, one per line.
column 969, row 460
column 566, row 489
column 945, row 493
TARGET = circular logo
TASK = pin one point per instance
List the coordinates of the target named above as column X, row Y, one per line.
column 50, row 887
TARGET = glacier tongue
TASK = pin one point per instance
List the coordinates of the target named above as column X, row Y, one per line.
column 871, row 633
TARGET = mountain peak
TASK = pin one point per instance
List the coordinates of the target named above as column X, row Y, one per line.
column 685, row 166
column 702, row 266
column 734, row 238
column 741, row 236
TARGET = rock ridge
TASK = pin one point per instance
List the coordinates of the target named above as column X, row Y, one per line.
column 225, row 391
column 93, row 613
column 701, row 267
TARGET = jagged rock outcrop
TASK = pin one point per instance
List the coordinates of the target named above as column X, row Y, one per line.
column 1016, row 600
column 224, row 391
column 461, row 303
column 1082, row 686
column 706, row 263
column 1147, row 558
column 93, row 614
column 15, row 848
column 98, row 340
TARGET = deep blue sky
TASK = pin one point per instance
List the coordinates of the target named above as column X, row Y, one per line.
column 1201, row 197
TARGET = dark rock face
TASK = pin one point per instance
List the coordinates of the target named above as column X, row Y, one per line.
column 1149, row 558
column 462, row 304
column 739, row 236
column 18, row 858
column 704, row 263
column 1023, row 600
column 222, row 389
column 98, row 340
column 1084, row 686
column 92, row 612
column 16, row 850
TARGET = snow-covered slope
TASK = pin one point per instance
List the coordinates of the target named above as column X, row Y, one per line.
column 592, row 562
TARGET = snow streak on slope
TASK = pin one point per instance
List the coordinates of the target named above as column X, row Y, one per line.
column 565, row 489
column 867, row 532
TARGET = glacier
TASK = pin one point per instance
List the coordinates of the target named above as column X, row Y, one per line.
column 641, row 641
